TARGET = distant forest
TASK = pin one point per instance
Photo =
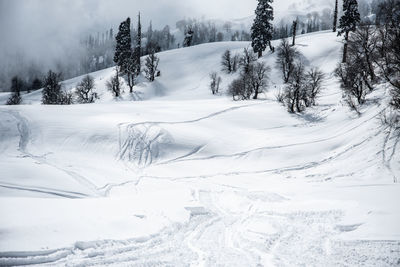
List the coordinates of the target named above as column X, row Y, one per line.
column 96, row 50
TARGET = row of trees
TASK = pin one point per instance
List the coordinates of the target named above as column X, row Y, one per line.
column 128, row 58
column 253, row 75
column 371, row 53
column 302, row 86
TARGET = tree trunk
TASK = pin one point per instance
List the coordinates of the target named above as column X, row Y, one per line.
column 346, row 39
column 260, row 54
column 370, row 67
column 255, row 94
column 335, row 16
column 271, row 47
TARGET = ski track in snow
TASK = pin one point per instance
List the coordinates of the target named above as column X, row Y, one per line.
column 249, row 232
column 216, row 234
column 23, row 129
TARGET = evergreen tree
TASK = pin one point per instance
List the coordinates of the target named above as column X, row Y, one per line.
column 226, row 62
column 348, row 22
column 16, row 87
column 36, row 84
column 335, row 15
column 151, row 66
column 294, row 30
column 138, row 47
column 52, row 94
column 188, row 37
column 262, row 29
column 123, row 50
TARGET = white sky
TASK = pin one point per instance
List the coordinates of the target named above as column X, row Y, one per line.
column 42, row 28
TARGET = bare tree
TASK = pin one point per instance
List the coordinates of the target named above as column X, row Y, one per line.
column 258, row 78
column 286, row 58
column 352, row 82
column 296, row 90
column 215, row 82
column 389, row 43
column 363, row 45
column 314, row 79
column 84, row 90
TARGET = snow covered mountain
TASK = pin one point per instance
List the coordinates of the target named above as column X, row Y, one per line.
column 186, row 178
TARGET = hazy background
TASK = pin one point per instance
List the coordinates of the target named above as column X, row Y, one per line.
column 47, row 32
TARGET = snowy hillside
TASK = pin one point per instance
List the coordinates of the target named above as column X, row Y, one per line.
column 186, row 178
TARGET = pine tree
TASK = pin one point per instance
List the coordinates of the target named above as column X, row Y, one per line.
column 262, row 29
column 52, row 94
column 188, row 37
column 294, row 30
column 335, row 15
column 138, row 47
column 16, row 86
column 123, row 50
column 151, row 66
column 348, row 22
column 36, row 84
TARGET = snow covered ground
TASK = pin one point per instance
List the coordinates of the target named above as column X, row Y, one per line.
column 186, row 178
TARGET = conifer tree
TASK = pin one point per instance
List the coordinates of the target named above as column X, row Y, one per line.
column 151, row 66
column 123, row 50
column 294, row 31
column 138, row 47
column 52, row 94
column 188, row 37
column 348, row 23
column 36, row 84
column 16, row 87
column 262, row 29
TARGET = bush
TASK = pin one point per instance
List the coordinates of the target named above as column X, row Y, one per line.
column 237, row 89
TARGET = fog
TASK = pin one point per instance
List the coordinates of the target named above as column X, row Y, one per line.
column 47, row 32
column 43, row 28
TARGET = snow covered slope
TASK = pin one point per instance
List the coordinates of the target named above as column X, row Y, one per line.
column 185, row 178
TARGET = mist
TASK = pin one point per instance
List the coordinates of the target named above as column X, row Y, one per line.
column 45, row 34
